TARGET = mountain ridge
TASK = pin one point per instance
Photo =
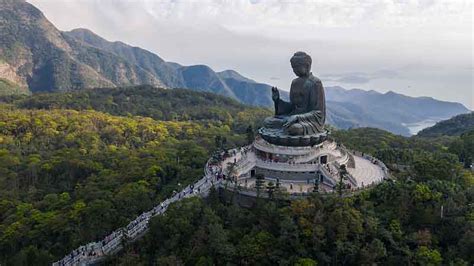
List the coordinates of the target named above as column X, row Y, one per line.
column 200, row 77
column 41, row 58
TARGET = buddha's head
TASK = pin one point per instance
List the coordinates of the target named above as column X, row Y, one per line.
column 301, row 64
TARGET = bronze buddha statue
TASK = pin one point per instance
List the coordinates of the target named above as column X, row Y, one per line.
column 305, row 113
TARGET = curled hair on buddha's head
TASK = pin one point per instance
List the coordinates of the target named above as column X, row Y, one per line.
column 301, row 58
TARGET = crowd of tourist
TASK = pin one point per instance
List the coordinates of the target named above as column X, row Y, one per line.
column 92, row 252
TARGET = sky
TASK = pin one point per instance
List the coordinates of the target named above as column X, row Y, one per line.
column 413, row 47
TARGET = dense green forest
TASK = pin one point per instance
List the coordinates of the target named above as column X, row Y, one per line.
column 157, row 103
column 75, row 166
column 68, row 177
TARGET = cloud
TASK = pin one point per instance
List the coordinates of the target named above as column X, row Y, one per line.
column 353, row 79
column 385, row 73
column 290, row 16
column 361, row 77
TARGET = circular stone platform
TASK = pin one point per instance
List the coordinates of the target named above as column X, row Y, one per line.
column 297, row 169
column 278, row 137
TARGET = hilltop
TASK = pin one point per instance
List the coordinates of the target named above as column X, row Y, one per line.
column 454, row 126
column 148, row 101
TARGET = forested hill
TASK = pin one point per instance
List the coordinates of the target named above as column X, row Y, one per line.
column 157, row 103
column 70, row 174
column 183, row 104
column 454, row 126
column 69, row 177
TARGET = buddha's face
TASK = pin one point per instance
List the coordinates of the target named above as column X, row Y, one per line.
column 301, row 70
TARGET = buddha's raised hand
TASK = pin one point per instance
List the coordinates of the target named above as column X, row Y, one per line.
column 275, row 94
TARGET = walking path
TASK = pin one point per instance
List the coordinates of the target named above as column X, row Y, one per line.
column 366, row 172
column 96, row 251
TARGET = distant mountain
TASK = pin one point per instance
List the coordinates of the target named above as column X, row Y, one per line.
column 173, row 75
column 390, row 111
column 232, row 74
column 454, row 126
column 397, row 107
column 164, row 71
column 37, row 57
column 352, row 115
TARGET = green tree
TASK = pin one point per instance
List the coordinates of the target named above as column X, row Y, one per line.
column 342, row 176
column 316, row 183
column 426, row 256
column 250, row 134
column 270, row 189
column 305, row 262
column 259, row 183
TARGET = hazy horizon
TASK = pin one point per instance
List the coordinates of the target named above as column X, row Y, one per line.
column 417, row 48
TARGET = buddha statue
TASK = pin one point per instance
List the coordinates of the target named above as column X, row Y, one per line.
column 305, row 113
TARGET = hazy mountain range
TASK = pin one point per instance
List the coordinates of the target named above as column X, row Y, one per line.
column 36, row 57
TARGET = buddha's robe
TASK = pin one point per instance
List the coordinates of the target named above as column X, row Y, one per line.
column 307, row 104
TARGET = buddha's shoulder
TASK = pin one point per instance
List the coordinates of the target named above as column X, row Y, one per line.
column 314, row 78
column 311, row 79
column 298, row 80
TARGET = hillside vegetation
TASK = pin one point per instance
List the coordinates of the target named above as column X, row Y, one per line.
column 157, row 103
column 454, row 126
column 68, row 177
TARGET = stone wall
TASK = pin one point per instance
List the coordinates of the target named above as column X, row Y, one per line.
column 302, row 176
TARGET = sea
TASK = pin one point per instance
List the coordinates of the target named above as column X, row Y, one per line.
column 418, row 126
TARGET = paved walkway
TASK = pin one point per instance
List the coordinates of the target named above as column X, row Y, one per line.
column 96, row 251
column 366, row 173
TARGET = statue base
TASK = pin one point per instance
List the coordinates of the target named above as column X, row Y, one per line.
column 278, row 137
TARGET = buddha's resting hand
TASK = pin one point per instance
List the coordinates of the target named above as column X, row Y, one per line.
column 274, row 121
column 290, row 121
column 275, row 94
